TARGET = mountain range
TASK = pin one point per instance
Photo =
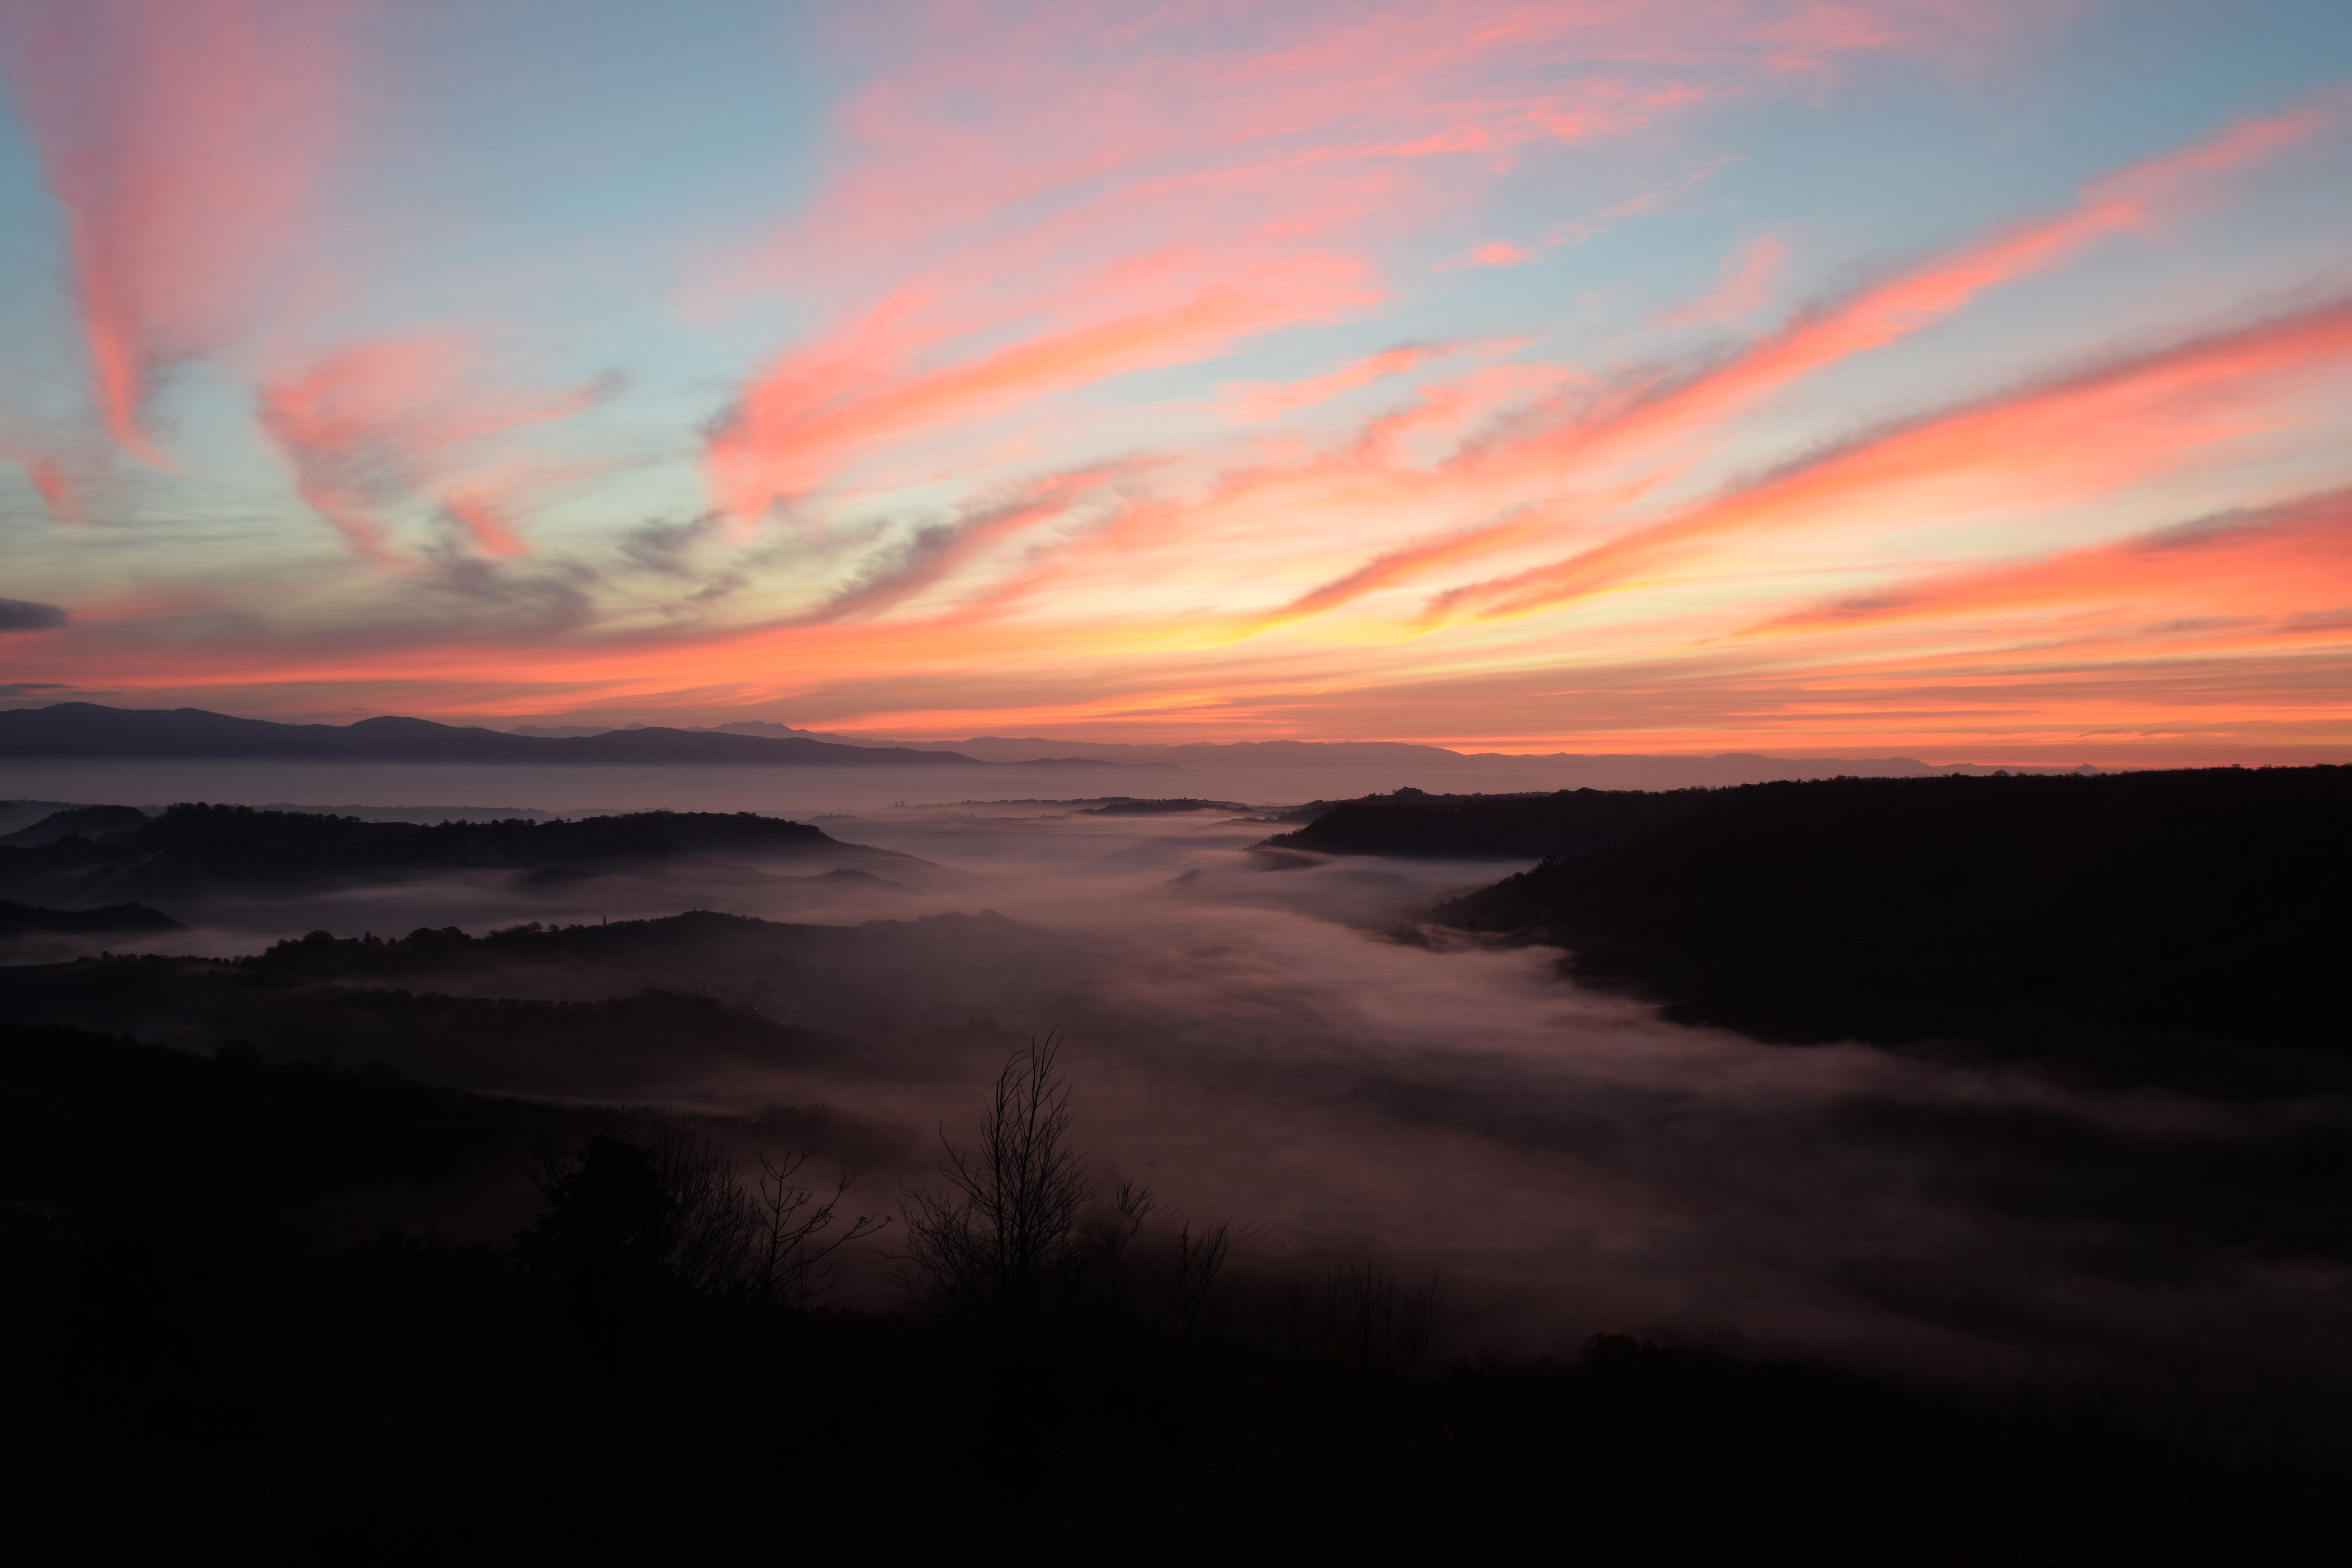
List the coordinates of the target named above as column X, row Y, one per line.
column 90, row 729
column 87, row 730
column 1628, row 770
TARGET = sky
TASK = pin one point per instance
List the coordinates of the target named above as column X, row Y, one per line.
column 1971, row 381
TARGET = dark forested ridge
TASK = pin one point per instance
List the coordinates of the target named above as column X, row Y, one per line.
column 2188, row 925
column 22, row 919
column 107, row 854
column 1490, row 827
column 603, row 1011
column 91, row 730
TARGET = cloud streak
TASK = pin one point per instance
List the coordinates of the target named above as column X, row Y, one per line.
column 2013, row 431
column 383, row 421
column 1053, row 230
column 2281, row 568
column 183, row 140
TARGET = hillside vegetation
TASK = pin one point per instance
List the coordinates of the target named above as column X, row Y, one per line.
column 2184, row 926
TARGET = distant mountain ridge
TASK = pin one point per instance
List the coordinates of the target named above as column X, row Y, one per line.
column 91, row 730
column 1607, row 770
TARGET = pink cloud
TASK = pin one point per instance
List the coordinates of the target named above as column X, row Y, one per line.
column 1036, row 185
column 1260, row 400
column 814, row 410
column 2265, row 567
column 1494, row 253
column 377, row 423
column 1560, row 465
column 2107, row 426
column 1743, row 287
column 183, row 139
column 45, row 470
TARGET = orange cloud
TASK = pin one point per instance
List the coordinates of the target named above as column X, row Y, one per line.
column 1873, row 316
column 1657, row 409
column 2102, row 420
column 2267, row 566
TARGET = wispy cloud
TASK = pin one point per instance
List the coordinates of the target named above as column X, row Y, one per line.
column 2282, row 568
column 2106, row 421
column 1744, row 287
column 377, row 423
column 1128, row 382
column 183, row 140
column 1030, row 207
column 1257, row 401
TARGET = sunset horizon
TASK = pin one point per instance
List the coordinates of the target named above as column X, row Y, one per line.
column 1047, row 784
column 1969, row 383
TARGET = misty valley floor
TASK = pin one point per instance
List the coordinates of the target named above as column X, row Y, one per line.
column 2030, row 1264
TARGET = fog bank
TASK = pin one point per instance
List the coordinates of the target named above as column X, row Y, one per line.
column 1278, row 1042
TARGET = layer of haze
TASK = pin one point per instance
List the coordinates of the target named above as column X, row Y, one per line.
column 1277, row 1047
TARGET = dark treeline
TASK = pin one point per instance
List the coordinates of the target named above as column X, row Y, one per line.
column 226, row 1347
column 127, row 920
column 193, row 851
column 1411, row 822
column 600, row 1010
column 2182, row 928
column 1160, row 807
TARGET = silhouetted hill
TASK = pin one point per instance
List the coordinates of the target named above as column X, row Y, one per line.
column 17, row 815
column 634, row 1007
column 77, row 821
column 22, row 919
column 190, row 852
column 76, row 1105
column 2184, row 927
column 622, row 1046
column 1489, row 827
column 1160, row 807
column 91, row 730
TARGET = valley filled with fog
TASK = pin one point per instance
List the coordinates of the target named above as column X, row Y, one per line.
column 1277, row 1039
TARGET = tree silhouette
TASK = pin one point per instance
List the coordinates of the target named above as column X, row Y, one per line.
column 1001, row 1248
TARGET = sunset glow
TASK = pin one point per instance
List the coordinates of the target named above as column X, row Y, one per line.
column 1969, row 381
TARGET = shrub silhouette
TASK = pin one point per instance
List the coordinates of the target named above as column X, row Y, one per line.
column 166, row 1276
column 1357, row 1319
column 631, row 1226
column 603, row 1248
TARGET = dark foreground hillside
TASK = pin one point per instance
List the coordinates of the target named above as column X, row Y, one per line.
column 2186, row 928
column 225, row 1346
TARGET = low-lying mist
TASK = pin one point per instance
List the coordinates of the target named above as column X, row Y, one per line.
column 1280, row 1041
